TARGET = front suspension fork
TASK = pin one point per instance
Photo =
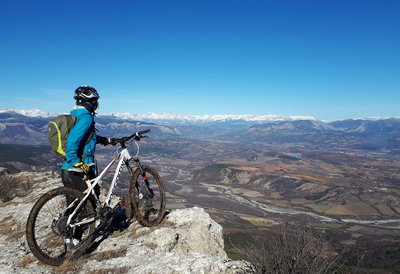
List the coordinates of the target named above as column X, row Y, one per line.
column 144, row 176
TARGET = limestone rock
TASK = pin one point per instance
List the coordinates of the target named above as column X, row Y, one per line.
column 187, row 241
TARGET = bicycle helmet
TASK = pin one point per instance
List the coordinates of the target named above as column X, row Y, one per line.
column 86, row 93
column 87, row 96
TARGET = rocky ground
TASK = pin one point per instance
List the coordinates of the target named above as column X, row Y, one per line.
column 187, row 241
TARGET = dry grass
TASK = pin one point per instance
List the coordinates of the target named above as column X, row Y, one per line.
column 107, row 255
column 13, row 186
column 385, row 210
column 73, row 266
column 12, row 230
column 352, row 209
column 246, row 168
column 120, row 270
column 259, row 221
column 26, row 260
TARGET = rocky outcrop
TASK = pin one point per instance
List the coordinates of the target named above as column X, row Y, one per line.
column 187, row 241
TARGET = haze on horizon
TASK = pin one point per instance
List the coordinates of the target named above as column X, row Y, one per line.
column 328, row 59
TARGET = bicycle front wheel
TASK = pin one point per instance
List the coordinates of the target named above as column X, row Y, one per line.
column 147, row 196
column 46, row 229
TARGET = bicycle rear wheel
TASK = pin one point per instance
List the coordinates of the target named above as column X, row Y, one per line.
column 147, row 196
column 46, row 228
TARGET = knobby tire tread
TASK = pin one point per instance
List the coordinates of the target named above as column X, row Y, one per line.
column 134, row 197
column 30, row 227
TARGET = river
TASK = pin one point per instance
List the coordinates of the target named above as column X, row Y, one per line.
column 382, row 223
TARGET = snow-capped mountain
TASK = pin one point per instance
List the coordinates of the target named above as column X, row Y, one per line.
column 172, row 116
column 208, row 118
column 160, row 117
column 28, row 112
column 30, row 127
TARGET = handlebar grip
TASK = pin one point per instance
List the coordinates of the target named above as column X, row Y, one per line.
column 143, row 131
column 113, row 141
column 137, row 136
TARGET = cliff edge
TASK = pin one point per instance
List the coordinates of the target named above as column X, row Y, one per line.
column 187, row 241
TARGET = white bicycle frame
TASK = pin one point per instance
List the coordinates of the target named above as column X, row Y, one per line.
column 121, row 157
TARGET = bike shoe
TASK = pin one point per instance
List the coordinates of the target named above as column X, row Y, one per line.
column 72, row 243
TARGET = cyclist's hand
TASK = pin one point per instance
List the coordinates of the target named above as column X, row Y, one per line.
column 137, row 137
column 84, row 167
column 103, row 140
column 112, row 141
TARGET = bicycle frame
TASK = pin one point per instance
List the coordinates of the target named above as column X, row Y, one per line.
column 121, row 158
column 78, row 217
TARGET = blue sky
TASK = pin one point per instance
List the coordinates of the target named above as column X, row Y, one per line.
column 329, row 59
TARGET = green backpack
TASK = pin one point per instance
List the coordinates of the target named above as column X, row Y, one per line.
column 58, row 131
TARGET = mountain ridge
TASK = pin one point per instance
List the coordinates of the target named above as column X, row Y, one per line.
column 35, row 112
column 169, row 116
column 375, row 134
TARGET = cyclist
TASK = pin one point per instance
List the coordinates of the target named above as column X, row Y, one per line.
column 81, row 143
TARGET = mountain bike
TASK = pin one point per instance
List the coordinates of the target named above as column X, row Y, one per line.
column 63, row 221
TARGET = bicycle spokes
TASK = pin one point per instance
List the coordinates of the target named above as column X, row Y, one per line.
column 148, row 197
column 148, row 187
column 47, row 225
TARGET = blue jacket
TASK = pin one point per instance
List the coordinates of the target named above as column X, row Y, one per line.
column 76, row 142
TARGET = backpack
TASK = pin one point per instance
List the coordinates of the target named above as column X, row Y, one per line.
column 58, row 131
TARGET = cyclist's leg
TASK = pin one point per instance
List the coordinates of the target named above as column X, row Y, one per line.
column 75, row 180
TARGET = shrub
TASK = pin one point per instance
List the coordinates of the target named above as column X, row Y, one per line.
column 13, row 186
column 288, row 250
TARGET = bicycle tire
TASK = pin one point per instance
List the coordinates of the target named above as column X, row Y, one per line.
column 45, row 222
column 129, row 207
column 147, row 211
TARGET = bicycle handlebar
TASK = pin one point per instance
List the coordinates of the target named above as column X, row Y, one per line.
column 143, row 131
column 137, row 136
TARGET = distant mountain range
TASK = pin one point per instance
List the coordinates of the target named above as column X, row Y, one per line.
column 362, row 134
column 171, row 117
column 30, row 127
column 184, row 117
column 28, row 112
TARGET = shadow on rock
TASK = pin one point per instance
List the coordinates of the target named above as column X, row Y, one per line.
column 117, row 222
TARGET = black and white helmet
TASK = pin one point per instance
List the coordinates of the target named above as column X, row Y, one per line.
column 88, row 97
column 86, row 93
